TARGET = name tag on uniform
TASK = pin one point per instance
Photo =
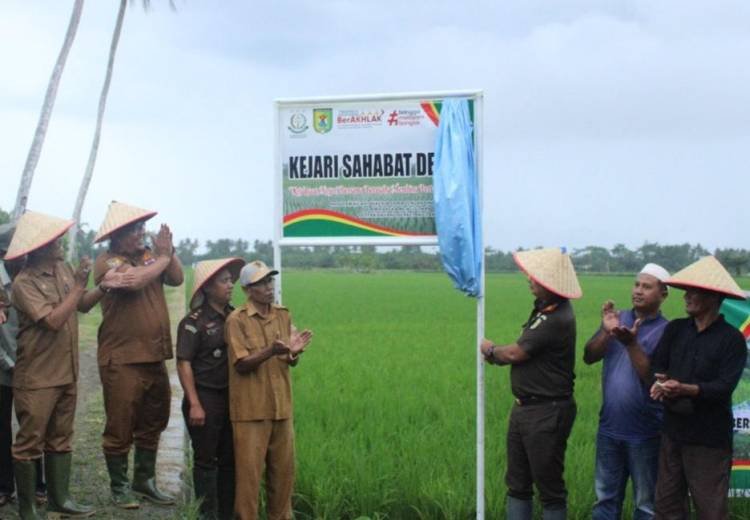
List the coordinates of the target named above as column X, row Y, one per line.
column 538, row 321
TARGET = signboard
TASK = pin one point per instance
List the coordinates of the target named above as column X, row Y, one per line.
column 737, row 313
column 357, row 170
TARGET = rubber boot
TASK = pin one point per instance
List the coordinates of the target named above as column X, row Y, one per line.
column 204, row 484
column 122, row 497
column 225, row 494
column 59, row 503
column 144, row 478
column 560, row 513
column 25, row 472
column 517, row 509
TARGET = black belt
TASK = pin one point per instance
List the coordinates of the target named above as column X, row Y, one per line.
column 533, row 399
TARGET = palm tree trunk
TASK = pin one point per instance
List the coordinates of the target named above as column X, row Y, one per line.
column 83, row 189
column 35, row 151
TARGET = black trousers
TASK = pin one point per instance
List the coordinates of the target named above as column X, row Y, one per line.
column 212, row 443
column 7, row 484
column 537, row 439
column 703, row 471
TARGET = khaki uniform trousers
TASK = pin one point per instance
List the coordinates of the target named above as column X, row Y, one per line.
column 136, row 400
column 45, row 421
column 259, row 444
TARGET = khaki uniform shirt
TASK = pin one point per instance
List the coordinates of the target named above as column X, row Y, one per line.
column 135, row 324
column 266, row 392
column 45, row 357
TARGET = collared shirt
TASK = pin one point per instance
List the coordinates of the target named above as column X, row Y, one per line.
column 45, row 357
column 200, row 340
column 266, row 392
column 714, row 360
column 628, row 413
column 549, row 338
column 135, row 324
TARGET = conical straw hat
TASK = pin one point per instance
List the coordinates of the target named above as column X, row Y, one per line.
column 206, row 269
column 118, row 216
column 707, row 273
column 35, row 230
column 552, row 269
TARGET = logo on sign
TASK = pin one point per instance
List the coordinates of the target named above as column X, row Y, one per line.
column 405, row 118
column 298, row 123
column 359, row 118
column 322, row 120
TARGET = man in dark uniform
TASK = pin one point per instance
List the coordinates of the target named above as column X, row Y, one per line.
column 542, row 362
column 697, row 365
column 134, row 341
column 203, row 367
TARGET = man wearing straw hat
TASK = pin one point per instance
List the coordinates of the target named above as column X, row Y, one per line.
column 627, row 441
column 203, row 367
column 46, row 294
column 542, row 361
column 262, row 346
column 134, row 341
column 8, row 332
column 697, row 366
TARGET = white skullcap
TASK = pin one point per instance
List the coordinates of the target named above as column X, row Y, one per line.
column 656, row 271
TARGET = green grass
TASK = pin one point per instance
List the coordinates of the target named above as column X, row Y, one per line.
column 385, row 396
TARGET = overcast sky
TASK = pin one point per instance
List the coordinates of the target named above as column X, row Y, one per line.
column 605, row 121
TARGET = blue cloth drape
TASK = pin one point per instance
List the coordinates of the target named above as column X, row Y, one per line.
column 456, row 194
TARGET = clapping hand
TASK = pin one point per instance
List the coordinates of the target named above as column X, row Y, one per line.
column 610, row 318
column 625, row 335
column 163, row 241
column 664, row 388
column 117, row 280
column 299, row 341
column 82, row 273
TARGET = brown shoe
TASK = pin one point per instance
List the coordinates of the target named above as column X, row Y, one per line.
column 5, row 499
column 40, row 497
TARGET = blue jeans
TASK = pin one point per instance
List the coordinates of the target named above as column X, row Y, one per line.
column 616, row 461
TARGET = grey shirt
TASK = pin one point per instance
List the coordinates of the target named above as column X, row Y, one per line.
column 8, row 333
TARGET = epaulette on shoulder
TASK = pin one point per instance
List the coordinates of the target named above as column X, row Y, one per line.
column 195, row 314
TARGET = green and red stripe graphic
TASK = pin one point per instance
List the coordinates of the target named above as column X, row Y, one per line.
column 323, row 222
column 432, row 110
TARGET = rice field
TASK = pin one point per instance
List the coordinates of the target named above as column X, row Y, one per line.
column 385, row 395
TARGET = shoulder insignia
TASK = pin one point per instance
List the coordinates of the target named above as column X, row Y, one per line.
column 190, row 328
column 538, row 321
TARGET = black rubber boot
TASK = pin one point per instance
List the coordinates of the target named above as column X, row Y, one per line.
column 144, row 478
column 25, row 472
column 122, row 497
column 59, row 503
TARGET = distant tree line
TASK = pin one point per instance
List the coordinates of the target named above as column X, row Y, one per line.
column 590, row 259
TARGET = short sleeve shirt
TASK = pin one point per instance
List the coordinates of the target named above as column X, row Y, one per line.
column 628, row 413
column 200, row 340
column 45, row 357
column 549, row 338
column 135, row 324
column 266, row 392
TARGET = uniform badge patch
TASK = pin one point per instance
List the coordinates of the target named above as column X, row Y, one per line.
column 114, row 262
column 538, row 321
column 190, row 328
